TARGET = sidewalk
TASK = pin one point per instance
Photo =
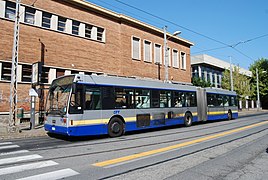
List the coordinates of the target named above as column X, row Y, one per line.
column 25, row 132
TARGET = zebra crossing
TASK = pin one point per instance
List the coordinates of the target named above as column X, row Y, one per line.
column 14, row 161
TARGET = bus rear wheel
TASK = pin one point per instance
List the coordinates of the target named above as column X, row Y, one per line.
column 116, row 127
column 188, row 119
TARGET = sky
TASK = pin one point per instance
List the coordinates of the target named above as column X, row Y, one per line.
column 219, row 28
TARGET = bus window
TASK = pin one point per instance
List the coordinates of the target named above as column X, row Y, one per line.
column 233, row 101
column 76, row 100
column 226, row 100
column 220, row 100
column 183, row 99
column 190, row 100
column 177, row 100
column 212, row 100
column 165, row 99
column 142, row 98
column 124, row 98
column 108, row 99
column 155, row 99
column 92, row 98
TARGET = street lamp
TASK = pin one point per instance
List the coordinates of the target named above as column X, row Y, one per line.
column 166, row 50
column 231, row 75
column 258, row 90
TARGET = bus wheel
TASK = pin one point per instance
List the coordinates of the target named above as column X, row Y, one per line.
column 188, row 119
column 116, row 127
column 229, row 114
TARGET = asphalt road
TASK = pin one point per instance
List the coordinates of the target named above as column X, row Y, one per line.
column 235, row 149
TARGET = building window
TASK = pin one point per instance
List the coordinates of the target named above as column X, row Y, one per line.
column 100, row 33
column 88, row 30
column 46, row 20
column 26, row 73
column 157, row 54
column 10, row 10
column 183, row 60
column 45, row 74
column 60, row 72
column 29, row 15
column 136, row 48
column 75, row 27
column 74, row 72
column 61, row 24
column 175, row 58
column 147, row 51
column 6, row 71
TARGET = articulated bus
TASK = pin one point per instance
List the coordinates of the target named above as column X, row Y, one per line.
column 82, row 105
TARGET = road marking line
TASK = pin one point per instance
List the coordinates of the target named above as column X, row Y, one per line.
column 19, row 159
column 52, row 175
column 9, row 147
column 13, row 152
column 5, row 143
column 15, row 169
column 176, row 146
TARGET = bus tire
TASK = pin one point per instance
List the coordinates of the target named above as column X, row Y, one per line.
column 229, row 115
column 116, row 127
column 188, row 119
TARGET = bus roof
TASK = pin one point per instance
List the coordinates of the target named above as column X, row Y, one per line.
column 220, row 91
column 142, row 83
column 132, row 82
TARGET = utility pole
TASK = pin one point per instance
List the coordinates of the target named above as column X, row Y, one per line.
column 14, row 69
column 231, row 75
column 166, row 54
column 166, row 60
column 258, row 90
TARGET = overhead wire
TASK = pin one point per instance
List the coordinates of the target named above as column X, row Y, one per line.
column 123, row 10
column 173, row 23
column 200, row 34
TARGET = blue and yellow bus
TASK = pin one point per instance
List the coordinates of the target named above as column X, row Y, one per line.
column 82, row 105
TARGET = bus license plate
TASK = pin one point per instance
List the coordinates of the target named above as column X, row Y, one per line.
column 53, row 128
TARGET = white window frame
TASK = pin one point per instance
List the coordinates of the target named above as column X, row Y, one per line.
column 183, row 64
column 132, row 53
column 87, row 28
column 26, row 73
column 29, row 14
column 46, row 16
column 11, row 9
column 75, row 27
column 175, row 60
column 62, row 22
column 150, row 51
column 100, row 34
column 160, row 53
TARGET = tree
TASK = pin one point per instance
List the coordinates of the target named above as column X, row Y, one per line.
column 262, row 66
column 241, row 83
column 196, row 81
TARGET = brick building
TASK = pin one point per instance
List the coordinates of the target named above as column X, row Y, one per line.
column 74, row 36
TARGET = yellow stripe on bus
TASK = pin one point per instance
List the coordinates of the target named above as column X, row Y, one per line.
column 220, row 112
column 106, row 121
column 176, row 146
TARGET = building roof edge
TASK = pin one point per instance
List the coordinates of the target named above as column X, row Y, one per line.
column 121, row 17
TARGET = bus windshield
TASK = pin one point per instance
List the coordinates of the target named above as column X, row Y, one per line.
column 58, row 96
